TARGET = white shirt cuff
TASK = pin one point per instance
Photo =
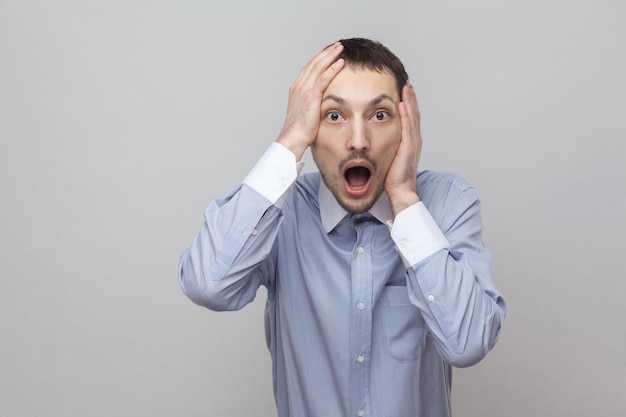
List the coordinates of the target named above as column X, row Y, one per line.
column 274, row 174
column 416, row 234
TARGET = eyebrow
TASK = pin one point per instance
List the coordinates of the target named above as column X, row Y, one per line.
column 372, row 103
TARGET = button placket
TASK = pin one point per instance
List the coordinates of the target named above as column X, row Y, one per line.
column 361, row 326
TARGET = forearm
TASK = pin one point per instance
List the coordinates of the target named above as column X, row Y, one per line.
column 222, row 268
column 449, row 274
column 401, row 200
column 459, row 303
column 225, row 264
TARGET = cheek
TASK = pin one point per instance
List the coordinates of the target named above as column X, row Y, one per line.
column 390, row 145
column 322, row 156
column 322, row 141
column 387, row 159
column 328, row 145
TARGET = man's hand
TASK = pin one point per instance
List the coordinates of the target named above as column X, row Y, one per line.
column 305, row 100
column 401, row 178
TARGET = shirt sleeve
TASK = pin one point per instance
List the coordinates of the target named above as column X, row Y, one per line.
column 274, row 174
column 450, row 278
column 416, row 234
column 230, row 257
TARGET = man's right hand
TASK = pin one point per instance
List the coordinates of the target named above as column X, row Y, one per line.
column 305, row 100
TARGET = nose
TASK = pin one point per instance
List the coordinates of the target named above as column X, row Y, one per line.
column 359, row 137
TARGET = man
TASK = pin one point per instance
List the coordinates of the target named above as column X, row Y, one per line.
column 378, row 280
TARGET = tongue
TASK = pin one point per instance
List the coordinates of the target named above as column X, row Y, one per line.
column 357, row 176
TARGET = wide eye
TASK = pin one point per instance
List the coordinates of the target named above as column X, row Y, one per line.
column 333, row 116
column 380, row 115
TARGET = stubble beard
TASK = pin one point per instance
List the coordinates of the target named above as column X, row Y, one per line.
column 335, row 186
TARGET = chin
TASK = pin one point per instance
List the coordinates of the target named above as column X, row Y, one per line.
column 356, row 206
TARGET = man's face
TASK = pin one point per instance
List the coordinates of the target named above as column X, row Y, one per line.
column 358, row 136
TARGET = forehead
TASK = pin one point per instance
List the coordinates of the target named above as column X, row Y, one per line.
column 355, row 85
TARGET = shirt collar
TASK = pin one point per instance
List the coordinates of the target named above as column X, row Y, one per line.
column 332, row 213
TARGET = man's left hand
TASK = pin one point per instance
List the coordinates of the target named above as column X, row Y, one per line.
column 401, row 178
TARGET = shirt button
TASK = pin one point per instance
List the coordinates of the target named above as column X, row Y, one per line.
column 254, row 232
column 431, row 298
column 360, row 413
column 360, row 305
column 360, row 358
column 360, row 249
column 403, row 244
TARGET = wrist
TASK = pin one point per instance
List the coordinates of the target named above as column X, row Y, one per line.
column 401, row 200
column 296, row 147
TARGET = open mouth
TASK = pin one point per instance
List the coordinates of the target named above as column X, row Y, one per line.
column 357, row 180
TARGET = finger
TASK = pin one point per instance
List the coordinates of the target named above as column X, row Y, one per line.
column 413, row 101
column 322, row 60
column 324, row 80
column 410, row 98
column 410, row 115
column 318, row 65
column 410, row 143
column 406, row 110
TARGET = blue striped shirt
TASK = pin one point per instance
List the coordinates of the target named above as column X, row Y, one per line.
column 365, row 316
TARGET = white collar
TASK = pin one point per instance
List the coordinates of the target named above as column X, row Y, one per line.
column 332, row 213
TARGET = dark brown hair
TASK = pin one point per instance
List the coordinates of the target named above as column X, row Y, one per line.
column 373, row 55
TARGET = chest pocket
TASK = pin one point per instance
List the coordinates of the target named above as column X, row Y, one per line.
column 403, row 327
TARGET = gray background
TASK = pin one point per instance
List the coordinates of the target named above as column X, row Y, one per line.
column 121, row 120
